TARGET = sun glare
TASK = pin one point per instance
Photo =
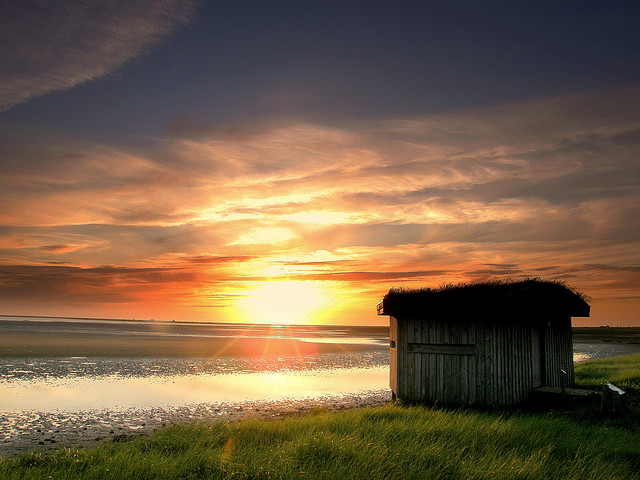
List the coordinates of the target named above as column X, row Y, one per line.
column 284, row 302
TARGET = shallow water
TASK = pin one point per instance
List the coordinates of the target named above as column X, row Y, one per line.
column 76, row 384
column 51, row 401
column 593, row 351
column 28, row 369
column 45, row 403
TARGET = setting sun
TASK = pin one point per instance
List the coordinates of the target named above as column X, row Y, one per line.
column 284, row 302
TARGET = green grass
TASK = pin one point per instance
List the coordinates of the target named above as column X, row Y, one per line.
column 391, row 442
column 622, row 371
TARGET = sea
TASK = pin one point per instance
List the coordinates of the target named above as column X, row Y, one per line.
column 345, row 360
column 45, row 397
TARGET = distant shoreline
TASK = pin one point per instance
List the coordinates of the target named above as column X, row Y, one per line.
column 602, row 331
column 606, row 334
column 194, row 322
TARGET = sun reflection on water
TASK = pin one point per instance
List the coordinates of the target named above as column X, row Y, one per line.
column 118, row 393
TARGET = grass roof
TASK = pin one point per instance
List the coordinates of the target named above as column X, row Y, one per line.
column 514, row 294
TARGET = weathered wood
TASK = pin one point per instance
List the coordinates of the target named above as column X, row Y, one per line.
column 489, row 360
column 393, row 355
column 445, row 349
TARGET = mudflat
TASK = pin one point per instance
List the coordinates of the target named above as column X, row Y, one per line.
column 47, row 344
column 606, row 334
column 107, row 338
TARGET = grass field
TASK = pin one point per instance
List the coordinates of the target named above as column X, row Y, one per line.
column 394, row 442
column 622, row 371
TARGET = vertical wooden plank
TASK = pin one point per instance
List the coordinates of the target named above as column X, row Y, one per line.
column 508, row 364
column 481, row 379
column 486, row 365
column 500, row 356
column 530, row 359
column 535, row 364
column 428, row 380
column 447, row 360
column 516, row 382
column 434, row 362
column 422, row 363
column 490, row 364
column 519, row 333
column 472, row 380
column 511, row 380
column 411, row 371
column 393, row 355
column 569, row 334
column 449, row 372
column 499, row 341
column 485, row 360
column 440, row 361
column 463, row 338
column 513, row 371
column 406, row 371
column 531, row 363
column 523, row 355
column 524, row 362
column 456, row 365
column 507, row 349
column 551, row 356
column 402, row 364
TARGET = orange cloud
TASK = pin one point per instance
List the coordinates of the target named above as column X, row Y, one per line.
column 205, row 216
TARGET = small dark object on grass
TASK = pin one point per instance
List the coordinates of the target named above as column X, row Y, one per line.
column 613, row 400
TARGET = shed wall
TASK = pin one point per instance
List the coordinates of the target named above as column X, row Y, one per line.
column 558, row 351
column 455, row 361
column 393, row 354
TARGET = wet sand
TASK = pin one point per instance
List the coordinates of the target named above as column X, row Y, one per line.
column 629, row 335
column 38, row 431
column 259, row 347
column 47, row 344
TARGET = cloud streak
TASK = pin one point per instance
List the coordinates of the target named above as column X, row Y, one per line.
column 59, row 45
column 546, row 187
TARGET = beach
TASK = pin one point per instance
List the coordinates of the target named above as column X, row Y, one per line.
column 74, row 382
column 79, row 337
column 42, row 431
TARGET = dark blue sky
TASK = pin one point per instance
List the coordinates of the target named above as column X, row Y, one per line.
column 341, row 60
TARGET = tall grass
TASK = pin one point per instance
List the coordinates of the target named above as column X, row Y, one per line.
column 391, row 442
column 622, row 371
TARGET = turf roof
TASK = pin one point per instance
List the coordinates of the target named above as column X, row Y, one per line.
column 532, row 293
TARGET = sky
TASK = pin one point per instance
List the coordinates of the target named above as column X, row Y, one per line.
column 289, row 161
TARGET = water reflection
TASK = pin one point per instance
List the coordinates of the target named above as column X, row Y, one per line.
column 121, row 393
column 591, row 351
column 44, row 368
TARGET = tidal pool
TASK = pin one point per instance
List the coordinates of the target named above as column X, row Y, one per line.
column 115, row 392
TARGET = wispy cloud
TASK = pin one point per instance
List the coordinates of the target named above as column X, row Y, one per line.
column 57, row 45
column 547, row 187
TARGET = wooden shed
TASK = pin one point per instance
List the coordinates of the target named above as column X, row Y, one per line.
column 482, row 343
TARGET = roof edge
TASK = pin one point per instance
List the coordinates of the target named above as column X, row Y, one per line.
column 532, row 294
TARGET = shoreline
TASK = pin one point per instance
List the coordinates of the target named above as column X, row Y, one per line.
column 606, row 334
column 35, row 344
column 21, row 432
column 38, row 431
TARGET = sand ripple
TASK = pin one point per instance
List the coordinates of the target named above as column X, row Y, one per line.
column 36, row 431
